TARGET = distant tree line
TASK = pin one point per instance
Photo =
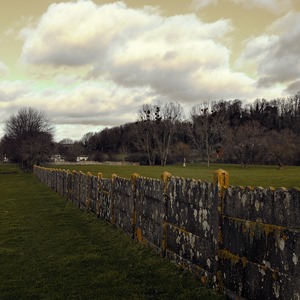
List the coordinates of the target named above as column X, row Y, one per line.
column 261, row 132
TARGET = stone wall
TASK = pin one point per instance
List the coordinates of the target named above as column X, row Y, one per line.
column 260, row 245
column 241, row 241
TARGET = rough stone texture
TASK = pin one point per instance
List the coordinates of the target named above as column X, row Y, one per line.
column 150, row 211
column 253, row 281
column 263, row 244
column 93, row 194
column 261, row 232
column 104, row 207
column 279, row 207
column 243, row 241
column 192, row 207
column 191, row 249
column 82, row 190
column 123, row 206
column 287, row 208
column 192, row 216
column 75, row 188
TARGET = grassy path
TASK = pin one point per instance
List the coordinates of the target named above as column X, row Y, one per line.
column 49, row 249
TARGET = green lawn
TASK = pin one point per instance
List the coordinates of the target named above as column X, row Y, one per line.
column 49, row 249
column 264, row 176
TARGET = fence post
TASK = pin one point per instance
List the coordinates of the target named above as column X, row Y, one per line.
column 74, row 187
column 221, row 182
column 98, row 199
column 134, row 178
column 165, row 177
column 112, row 200
column 88, row 191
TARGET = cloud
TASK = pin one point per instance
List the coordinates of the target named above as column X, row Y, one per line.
column 276, row 53
column 200, row 4
column 4, row 70
column 11, row 90
column 87, row 104
column 136, row 48
column 272, row 6
column 293, row 88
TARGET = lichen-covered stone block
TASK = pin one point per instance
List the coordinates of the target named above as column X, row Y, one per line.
column 93, row 194
column 287, row 208
column 150, row 211
column 193, row 206
column 123, row 203
column 104, row 205
column 274, row 247
column 279, row 207
column 197, row 250
column 253, row 281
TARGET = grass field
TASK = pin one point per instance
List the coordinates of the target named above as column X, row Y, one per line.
column 49, row 249
column 264, row 176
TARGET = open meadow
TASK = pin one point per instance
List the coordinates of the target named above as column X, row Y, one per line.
column 254, row 176
column 50, row 249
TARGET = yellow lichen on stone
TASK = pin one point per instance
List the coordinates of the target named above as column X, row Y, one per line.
column 221, row 178
column 220, row 281
column 164, row 239
column 220, row 236
column 165, row 177
column 134, row 176
column 139, row 235
column 244, row 261
column 228, row 255
column 203, row 279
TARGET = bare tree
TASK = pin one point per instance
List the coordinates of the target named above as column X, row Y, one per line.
column 155, row 130
column 171, row 114
column 28, row 137
column 181, row 152
column 246, row 144
column 282, row 146
column 207, row 129
column 144, row 132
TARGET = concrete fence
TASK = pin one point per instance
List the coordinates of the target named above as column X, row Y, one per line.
column 241, row 241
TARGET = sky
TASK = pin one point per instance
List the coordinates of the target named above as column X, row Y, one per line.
column 92, row 64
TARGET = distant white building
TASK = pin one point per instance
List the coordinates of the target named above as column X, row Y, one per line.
column 5, row 159
column 82, row 158
column 56, row 158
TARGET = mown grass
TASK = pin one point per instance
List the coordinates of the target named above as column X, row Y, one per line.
column 254, row 176
column 49, row 249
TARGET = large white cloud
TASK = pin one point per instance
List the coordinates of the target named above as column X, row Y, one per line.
column 276, row 54
column 173, row 56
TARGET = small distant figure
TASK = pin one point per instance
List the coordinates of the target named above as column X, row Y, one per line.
column 184, row 162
